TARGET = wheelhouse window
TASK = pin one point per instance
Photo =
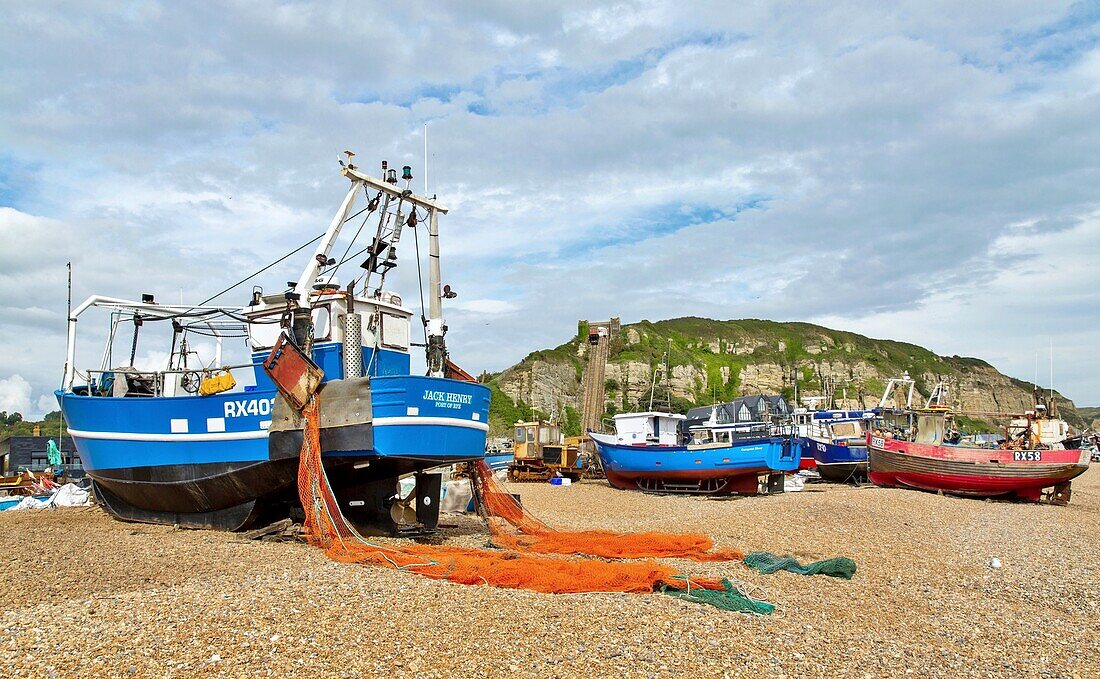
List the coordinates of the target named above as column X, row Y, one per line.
column 521, row 435
column 847, row 429
column 322, row 323
column 264, row 329
column 395, row 331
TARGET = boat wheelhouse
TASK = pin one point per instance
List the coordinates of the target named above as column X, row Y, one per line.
column 835, row 439
column 213, row 443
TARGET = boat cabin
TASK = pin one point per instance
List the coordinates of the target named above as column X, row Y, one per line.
column 703, row 435
column 834, row 425
column 377, row 325
column 932, row 427
column 1039, row 428
column 652, row 428
column 382, row 329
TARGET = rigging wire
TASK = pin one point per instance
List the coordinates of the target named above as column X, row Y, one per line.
column 277, row 261
column 257, row 273
column 344, row 257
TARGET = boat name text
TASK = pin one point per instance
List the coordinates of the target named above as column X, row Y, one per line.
column 253, row 407
column 448, row 399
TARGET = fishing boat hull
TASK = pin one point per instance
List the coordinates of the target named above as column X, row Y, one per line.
column 211, row 461
column 973, row 472
column 718, row 470
column 499, row 462
column 838, row 463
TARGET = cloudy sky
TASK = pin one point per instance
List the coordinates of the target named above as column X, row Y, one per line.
column 928, row 172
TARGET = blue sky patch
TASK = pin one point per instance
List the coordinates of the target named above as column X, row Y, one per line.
column 665, row 219
column 1060, row 43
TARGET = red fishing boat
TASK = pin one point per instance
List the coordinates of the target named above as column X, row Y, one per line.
column 1022, row 466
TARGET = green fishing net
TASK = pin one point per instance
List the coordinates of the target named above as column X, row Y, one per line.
column 728, row 599
column 767, row 563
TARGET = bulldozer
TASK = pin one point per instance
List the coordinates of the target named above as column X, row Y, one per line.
column 541, row 453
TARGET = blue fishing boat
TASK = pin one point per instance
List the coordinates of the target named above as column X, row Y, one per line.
column 650, row 452
column 214, row 444
column 836, row 441
column 499, row 457
column 12, row 501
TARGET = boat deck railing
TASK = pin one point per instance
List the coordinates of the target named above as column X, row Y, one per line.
column 151, row 383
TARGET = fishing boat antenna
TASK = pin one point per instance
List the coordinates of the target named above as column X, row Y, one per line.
column 1051, row 369
column 69, row 316
column 71, row 323
column 425, row 159
column 666, row 381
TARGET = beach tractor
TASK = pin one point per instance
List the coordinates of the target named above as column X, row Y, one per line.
column 541, row 453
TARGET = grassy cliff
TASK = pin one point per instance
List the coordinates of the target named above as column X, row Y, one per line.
column 719, row 360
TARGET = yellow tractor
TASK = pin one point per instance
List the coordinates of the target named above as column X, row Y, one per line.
column 540, row 453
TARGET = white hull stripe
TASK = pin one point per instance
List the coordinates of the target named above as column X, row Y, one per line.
column 130, row 436
column 439, row 421
column 262, row 433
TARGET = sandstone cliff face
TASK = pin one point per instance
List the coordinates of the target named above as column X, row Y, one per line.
column 1091, row 417
column 635, row 378
column 718, row 360
column 545, row 385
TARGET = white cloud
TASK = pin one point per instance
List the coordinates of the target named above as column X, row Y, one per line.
column 862, row 163
column 1033, row 298
column 15, row 395
column 485, row 306
column 46, row 403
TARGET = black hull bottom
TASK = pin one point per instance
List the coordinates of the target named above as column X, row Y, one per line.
column 843, row 472
column 238, row 496
column 220, row 496
column 197, row 488
column 239, row 517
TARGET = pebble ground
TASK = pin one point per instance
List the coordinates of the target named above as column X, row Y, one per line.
column 86, row 596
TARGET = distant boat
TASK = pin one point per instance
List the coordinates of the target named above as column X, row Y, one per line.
column 498, row 456
column 835, row 440
column 926, row 460
column 650, row 452
column 12, row 501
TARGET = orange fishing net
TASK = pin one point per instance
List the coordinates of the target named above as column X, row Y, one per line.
column 326, row 527
column 515, row 528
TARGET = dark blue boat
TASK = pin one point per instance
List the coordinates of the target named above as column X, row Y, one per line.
column 836, row 440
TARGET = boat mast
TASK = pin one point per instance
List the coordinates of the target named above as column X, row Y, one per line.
column 437, row 348
column 70, row 336
column 1051, row 400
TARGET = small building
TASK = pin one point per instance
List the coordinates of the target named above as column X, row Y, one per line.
column 18, row 453
column 758, row 408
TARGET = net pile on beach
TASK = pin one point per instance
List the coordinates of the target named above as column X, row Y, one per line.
column 514, row 566
column 768, row 563
column 515, row 528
